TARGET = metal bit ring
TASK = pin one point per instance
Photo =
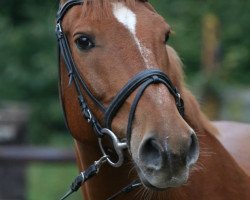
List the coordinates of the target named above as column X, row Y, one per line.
column 117, row 145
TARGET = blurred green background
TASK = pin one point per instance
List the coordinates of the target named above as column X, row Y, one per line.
column 211, row 37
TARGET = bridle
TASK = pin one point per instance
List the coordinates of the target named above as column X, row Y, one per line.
column 140, row 81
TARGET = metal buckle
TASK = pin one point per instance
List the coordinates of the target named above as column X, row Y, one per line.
column 180, row 104
column 118, row 146
column 87, row 115
column 59, row 31
column 100, row 162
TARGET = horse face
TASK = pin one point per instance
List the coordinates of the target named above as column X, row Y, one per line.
column 111, row 50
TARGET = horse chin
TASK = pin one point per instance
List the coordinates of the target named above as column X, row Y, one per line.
column 159, row 182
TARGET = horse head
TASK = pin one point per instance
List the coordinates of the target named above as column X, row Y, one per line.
column 112, row 43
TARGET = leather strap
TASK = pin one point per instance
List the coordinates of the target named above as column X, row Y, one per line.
column 63, row 9
column 133, row 84
column 142, row 80
column 73, row 72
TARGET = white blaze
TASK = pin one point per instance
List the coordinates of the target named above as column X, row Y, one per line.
column 128, row 18
column 125, row 16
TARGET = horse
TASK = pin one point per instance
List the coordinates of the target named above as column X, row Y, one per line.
column 124, row 100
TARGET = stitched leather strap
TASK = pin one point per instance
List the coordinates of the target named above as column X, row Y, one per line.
column 63, row 9
column 142, row 80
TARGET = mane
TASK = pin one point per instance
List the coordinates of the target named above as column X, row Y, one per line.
column 193, row 114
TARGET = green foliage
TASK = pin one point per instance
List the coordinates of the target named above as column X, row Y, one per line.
column 28, row 63
column 185, row 18
column 28, row 58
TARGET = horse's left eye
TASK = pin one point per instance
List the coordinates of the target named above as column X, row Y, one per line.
column 166, row 37
column 84, row 43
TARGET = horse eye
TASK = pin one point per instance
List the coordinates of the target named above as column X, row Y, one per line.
column 166, row 37
column 84, row 43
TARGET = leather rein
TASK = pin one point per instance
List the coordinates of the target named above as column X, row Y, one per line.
column 140, row 81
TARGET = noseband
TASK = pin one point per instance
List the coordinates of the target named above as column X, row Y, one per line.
column 140, row 81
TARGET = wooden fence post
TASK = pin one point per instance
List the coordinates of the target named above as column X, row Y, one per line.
column 13, row 121
column 210, row 64
column 210, row 44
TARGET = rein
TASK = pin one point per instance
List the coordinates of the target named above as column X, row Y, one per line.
column 140, row 81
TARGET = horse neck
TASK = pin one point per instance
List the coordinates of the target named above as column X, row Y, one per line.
column 216, row 168
column 216, row 173
column 222, row 176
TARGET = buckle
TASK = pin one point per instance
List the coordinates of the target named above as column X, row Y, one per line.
column 58, row 31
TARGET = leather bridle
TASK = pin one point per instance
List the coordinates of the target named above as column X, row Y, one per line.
column 140, row 81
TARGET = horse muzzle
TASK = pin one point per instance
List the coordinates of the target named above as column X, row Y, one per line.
column 164, row 163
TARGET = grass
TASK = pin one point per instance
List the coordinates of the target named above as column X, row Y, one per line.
column 50, row 181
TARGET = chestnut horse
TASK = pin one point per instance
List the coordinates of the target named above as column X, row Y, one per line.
column 115, row 62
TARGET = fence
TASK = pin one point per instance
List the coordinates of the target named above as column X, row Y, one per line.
column 15, row 154
column 24, row 154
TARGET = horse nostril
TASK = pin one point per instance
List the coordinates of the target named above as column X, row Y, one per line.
column 150, row 154
column 193, row 151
